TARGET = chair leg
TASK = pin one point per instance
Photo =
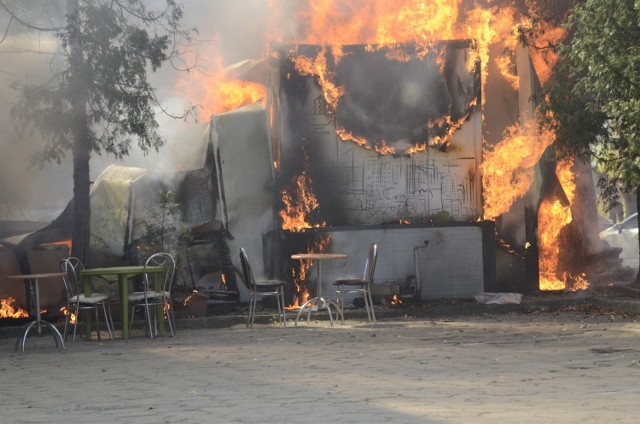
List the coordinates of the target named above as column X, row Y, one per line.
column 113, row 328
column 249, row 314
column 252, row 309
column 170, row 317
column 253, row 312
column 155, row 320
column 310, row 309
column 342, row 304
column 173, row 318
column 370, row 311
column 106, row 320
column 75, row 325
column 66, row 323
column 340, row 310
column 133, row 314
column 165, row 311
column 255, row 307
column 366, row 304
column 148, row 319
column 281, row 307
column 97, row 323
column 153, row 311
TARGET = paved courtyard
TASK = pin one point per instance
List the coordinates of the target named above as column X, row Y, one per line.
column 574, row 366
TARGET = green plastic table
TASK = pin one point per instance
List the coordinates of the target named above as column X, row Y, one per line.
column 123, row 273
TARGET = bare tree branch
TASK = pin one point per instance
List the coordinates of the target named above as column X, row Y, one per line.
column 26, row 51
column 27, row 24
column 7, row 30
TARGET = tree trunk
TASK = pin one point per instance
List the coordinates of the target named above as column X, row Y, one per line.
column 81, row 148
column 636, row 283
column 585, row 209
column 637, row 193
column 81, row 185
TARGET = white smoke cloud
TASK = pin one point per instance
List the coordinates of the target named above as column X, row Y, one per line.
column 234, row 30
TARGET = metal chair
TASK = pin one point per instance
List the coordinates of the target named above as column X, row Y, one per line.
column 78, row 301
column 359, row 285
column 150, row 299
column 261, row 289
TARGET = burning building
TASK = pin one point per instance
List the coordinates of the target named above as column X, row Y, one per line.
column 410, row 124
column 419, row 134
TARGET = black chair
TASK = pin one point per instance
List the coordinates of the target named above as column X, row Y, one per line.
column 261, row 289
column 360, row 285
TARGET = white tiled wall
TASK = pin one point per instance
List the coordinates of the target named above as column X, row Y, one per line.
column 450, row 266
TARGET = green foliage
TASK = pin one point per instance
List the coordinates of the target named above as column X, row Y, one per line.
column 595, row 91
column 163, row 231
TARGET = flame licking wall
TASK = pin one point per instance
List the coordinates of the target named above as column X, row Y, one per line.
column 370, row 156
column 383, row 135
column 318, row 188
column 369, row 160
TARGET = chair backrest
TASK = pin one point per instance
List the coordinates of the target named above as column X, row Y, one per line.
column 370, row 265
column 164, row 260
column 247, row 274
column 71, row 266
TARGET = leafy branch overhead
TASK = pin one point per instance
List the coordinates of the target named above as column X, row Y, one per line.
column 595, row 92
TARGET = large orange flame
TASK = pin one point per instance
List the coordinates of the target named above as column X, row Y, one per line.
column 380, row 23
column 384, row 23
column 298, row 205
column 508, row 168
column 215, row 92
column 9, row 310
column 552, row 218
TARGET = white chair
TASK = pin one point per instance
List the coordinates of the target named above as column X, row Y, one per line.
column 261, row 289
column 150, row 298
column 78, row 301
column 359, row 285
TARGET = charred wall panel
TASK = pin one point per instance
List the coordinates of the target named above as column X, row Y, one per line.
column 393, row 98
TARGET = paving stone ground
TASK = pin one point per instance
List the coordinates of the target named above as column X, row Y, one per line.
column 570, row 366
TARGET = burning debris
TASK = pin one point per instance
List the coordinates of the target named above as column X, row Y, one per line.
column 9, row 310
